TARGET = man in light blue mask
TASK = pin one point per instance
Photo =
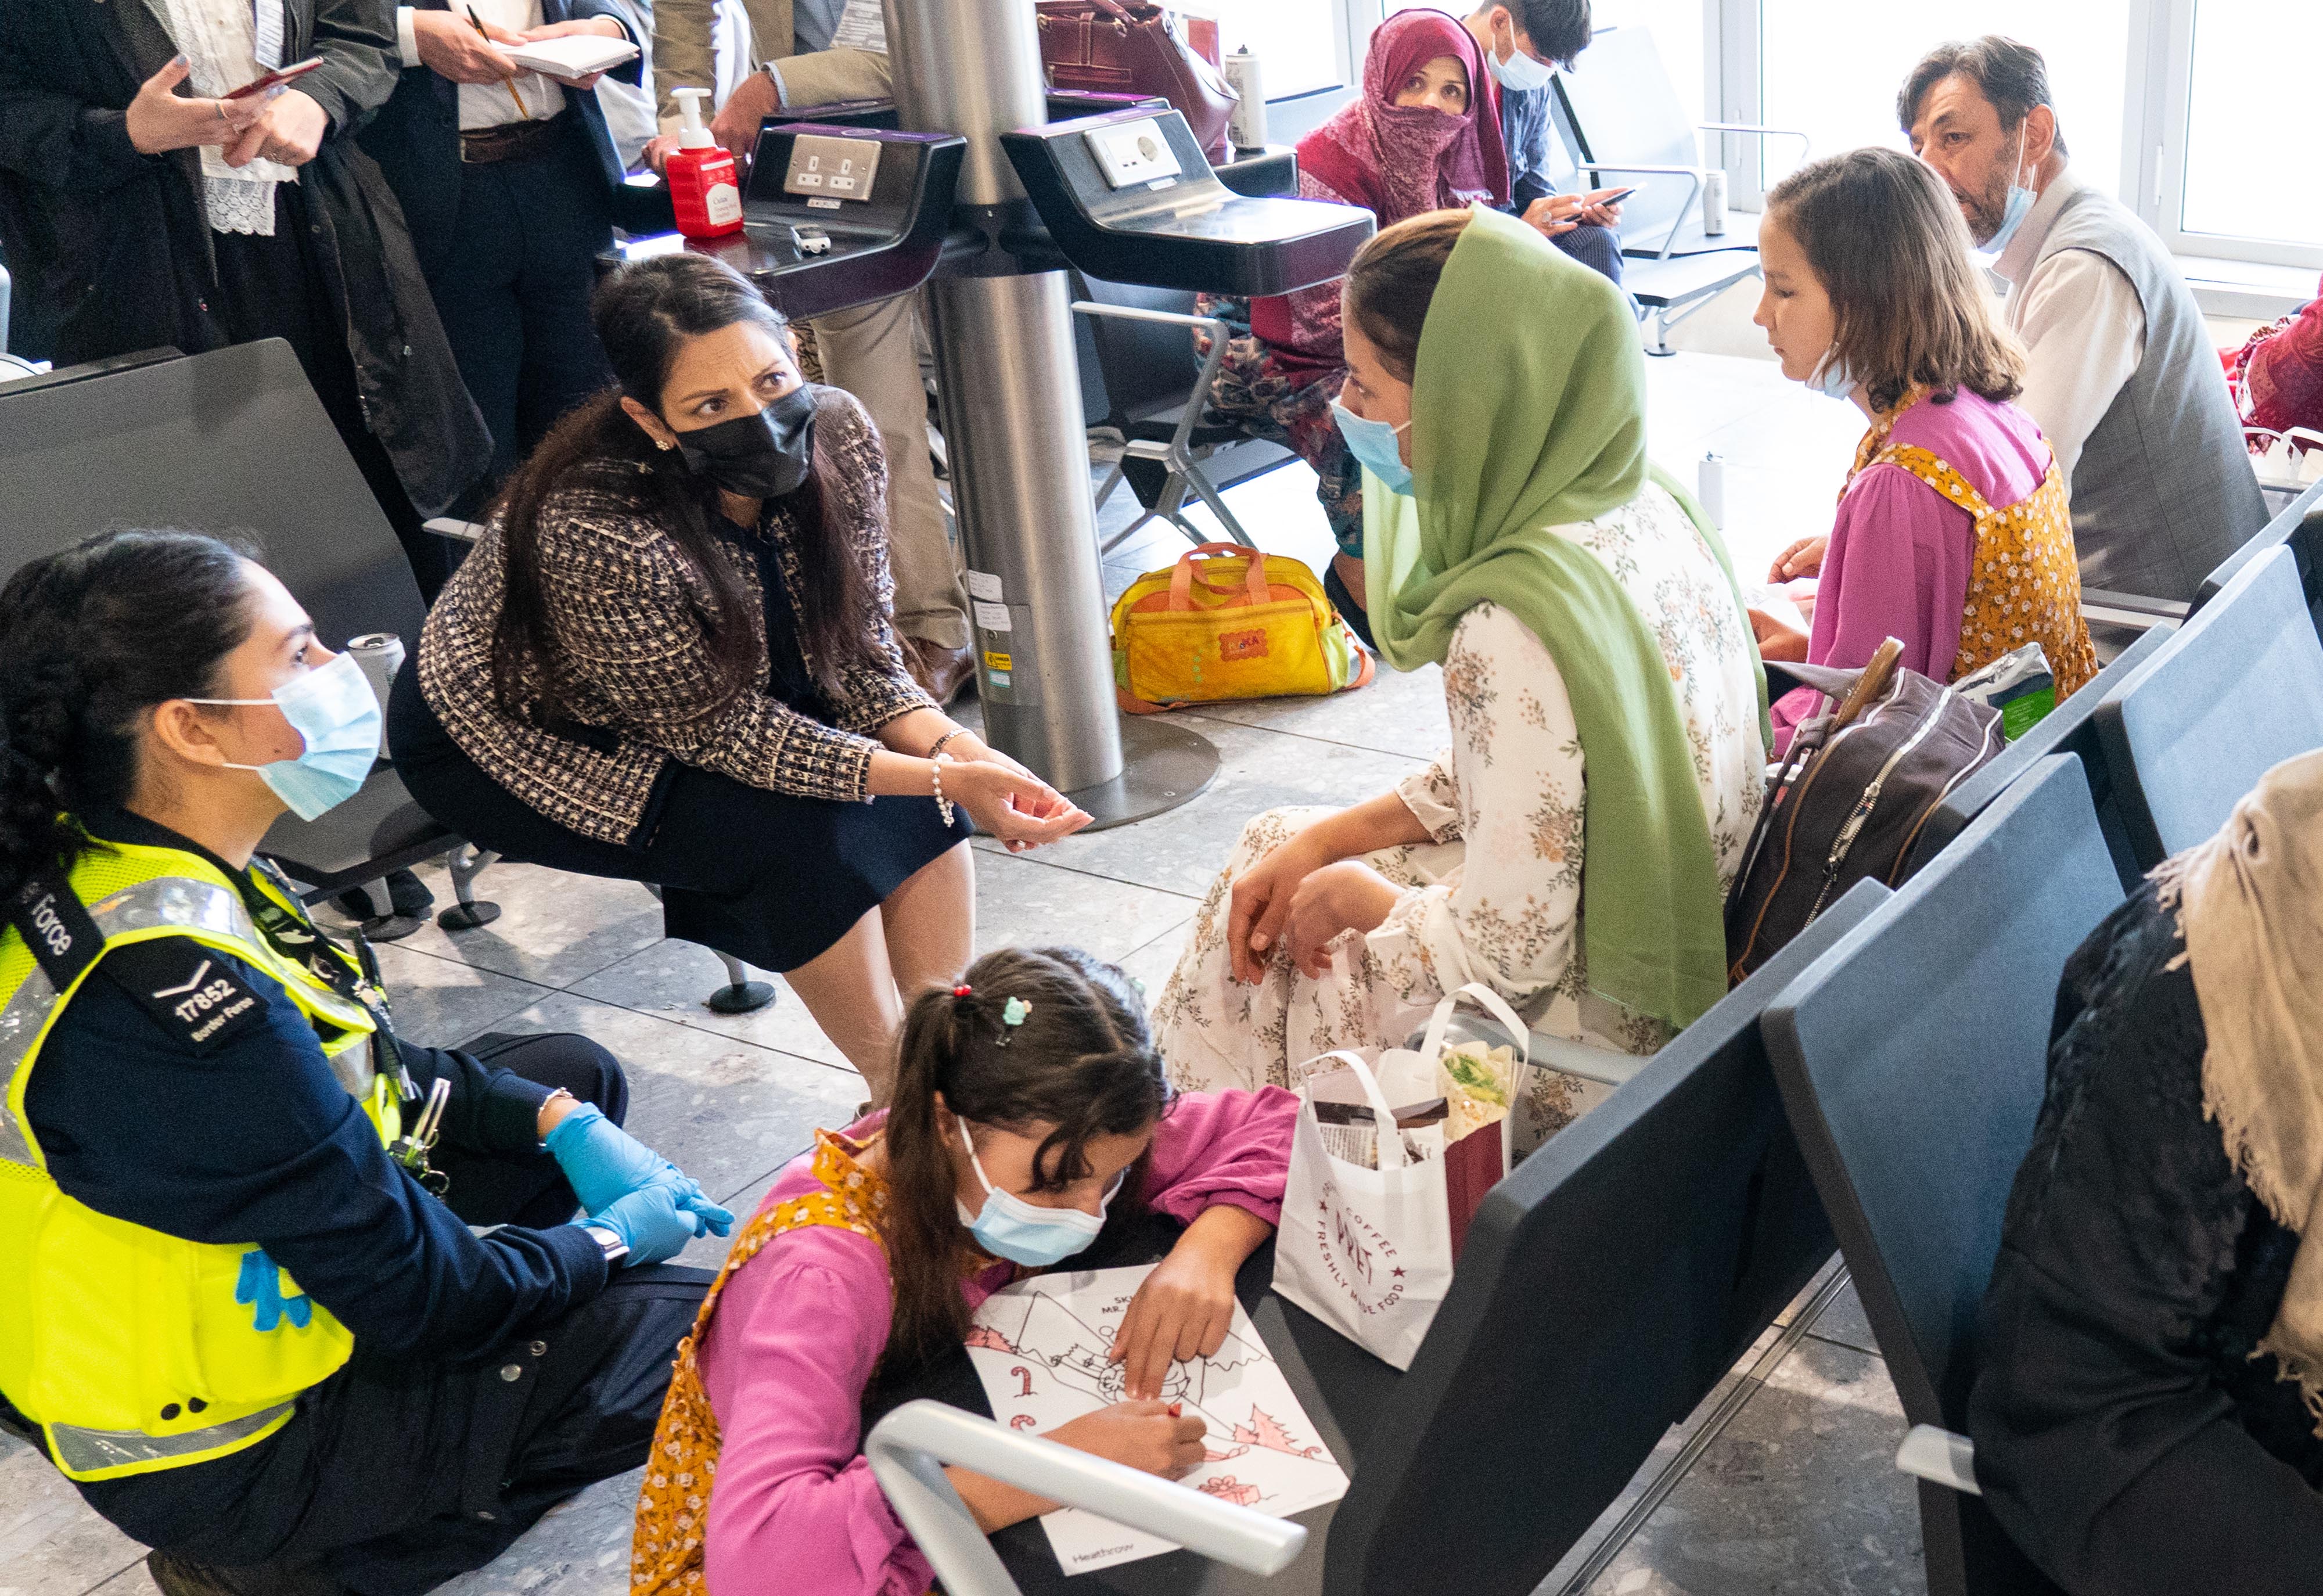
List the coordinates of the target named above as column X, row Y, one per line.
column 1525, row 42
column 2122, row 375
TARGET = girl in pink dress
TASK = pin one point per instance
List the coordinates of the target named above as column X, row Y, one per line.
column 1953, row 534
column 1028, row 1100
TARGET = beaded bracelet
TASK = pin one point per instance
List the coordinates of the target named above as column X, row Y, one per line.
column 943, row 805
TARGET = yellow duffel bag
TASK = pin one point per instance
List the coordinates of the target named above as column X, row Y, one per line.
column 1229, row 622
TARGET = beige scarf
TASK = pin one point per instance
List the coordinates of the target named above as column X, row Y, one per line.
column 2250, row 907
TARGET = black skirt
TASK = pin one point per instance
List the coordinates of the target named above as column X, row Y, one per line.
column 772, row 878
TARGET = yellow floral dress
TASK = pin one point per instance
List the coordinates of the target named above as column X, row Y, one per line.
column 673, row 1504
column 2024, row 582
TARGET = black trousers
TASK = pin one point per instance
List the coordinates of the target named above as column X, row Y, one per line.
column 392, row 1480
column 513, row 292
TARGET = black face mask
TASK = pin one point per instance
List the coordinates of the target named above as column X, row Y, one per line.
column 760, row 456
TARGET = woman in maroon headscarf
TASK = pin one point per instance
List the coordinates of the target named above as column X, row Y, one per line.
column 2277, row 377
column 1423, row 135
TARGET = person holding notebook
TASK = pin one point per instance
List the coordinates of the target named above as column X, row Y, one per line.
column 507, row 178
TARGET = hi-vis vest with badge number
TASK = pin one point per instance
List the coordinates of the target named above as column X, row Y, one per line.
column 127, row 1345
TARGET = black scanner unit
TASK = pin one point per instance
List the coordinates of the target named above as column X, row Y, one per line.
column 811, row 248
column 1129, row 197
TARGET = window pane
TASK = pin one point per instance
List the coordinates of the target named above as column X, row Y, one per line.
column 2250, row 122
column 1676, row 28
column 1832, row 68
column 1296, row 41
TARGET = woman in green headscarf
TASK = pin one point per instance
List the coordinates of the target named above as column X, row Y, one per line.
column 1573, row 847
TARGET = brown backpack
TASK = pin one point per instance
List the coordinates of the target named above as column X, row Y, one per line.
column 1850, row 797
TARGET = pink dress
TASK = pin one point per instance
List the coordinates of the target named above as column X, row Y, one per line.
column 800, row 1329
column 1900, row 552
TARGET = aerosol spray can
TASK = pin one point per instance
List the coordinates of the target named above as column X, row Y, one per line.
column 1713, row 202
column 1246, row 126
column 1710, row 487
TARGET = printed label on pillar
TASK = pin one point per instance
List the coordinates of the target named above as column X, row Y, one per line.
column 982, row 584
column 993, row 617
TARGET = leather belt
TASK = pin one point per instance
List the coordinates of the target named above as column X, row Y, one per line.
column 514, row 141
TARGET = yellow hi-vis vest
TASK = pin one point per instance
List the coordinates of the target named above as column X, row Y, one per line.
column 124, row 1344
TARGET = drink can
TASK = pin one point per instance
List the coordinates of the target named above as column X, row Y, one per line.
column 1246, row 126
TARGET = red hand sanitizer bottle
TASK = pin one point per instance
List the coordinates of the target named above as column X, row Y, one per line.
column 703, row 189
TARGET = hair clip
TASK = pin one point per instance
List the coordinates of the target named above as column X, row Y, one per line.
column 963, row 990
column 1013, row 1012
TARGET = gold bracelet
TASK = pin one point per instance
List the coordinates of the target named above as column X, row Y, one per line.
column 937, row 747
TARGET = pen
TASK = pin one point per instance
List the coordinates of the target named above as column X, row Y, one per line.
column 479, row 23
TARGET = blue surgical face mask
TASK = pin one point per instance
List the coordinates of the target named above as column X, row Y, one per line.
column 2012, row 215
column 1374, row 444
column 1519, row 72
column 335, row 709
column 1834, row 378
column 1025, row 1232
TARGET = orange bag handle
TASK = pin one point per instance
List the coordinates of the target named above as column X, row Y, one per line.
column 1181, row 579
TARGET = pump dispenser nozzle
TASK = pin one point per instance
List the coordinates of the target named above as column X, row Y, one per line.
column 705, row 194
column 690, row 135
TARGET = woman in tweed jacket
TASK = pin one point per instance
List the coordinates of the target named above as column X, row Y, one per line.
column 671, row 659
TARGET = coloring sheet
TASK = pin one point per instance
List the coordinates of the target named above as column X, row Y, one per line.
column 1040, row 1348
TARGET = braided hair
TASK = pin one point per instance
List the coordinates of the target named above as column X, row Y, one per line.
column 90, row 639
column 1080, row 1059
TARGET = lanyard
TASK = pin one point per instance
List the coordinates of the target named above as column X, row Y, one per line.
column 301, row 942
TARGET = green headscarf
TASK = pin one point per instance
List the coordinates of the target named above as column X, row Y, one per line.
column 1529, row 413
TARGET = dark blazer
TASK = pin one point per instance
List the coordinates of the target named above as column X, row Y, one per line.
column 415, row 136
column 113, row 247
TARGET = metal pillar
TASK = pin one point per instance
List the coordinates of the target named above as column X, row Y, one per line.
column 1010, row 392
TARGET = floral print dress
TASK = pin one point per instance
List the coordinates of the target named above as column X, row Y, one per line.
column 1495, row 895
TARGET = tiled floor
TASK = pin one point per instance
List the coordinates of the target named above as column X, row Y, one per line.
column 1794, row 1492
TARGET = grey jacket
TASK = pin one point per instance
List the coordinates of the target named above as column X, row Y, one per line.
column 2163, row 490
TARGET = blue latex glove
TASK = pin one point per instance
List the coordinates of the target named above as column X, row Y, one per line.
column 260, row 1287
column 652, row 1223
column 605, row 1163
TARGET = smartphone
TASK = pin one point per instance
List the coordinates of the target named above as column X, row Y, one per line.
column 274, row 79
column 1608, row 195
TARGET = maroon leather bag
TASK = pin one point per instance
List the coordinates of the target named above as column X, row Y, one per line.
column 1131, row 47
